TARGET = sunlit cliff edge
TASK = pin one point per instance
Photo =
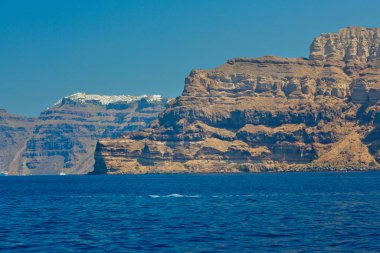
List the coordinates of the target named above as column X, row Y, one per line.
column 266, row 114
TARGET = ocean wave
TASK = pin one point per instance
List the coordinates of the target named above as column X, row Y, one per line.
column 248, row 197
column 174, row 195
column 83, row 196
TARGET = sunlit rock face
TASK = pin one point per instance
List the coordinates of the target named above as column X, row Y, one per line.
column 267, row 113
column 63, row 137
column 356, row 45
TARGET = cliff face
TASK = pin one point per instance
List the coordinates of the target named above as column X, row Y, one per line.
column 268, row 113
column 63, row 138
column 14, row 132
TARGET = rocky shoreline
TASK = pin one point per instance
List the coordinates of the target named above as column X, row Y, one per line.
column 267, row 113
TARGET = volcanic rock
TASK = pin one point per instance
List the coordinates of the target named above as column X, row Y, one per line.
column 266, row 114
column 63, row 137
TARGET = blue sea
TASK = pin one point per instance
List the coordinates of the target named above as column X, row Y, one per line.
column 286, row 212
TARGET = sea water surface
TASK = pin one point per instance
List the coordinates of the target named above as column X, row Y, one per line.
column 337, row 212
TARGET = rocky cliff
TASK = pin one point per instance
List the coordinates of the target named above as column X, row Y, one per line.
column 63, row 137
column 266, row 114
column 14, row 132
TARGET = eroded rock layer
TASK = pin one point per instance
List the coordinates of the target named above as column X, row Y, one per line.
column 14, row 132
column 63, row 138
column 267, row 113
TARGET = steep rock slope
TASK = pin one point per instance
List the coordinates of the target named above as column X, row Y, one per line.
column 14, row 132
column 64, row 136
column 267, row 113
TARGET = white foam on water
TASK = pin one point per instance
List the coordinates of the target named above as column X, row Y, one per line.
column 232, row 196
column 244, row 195
column 174, row 195
column 83, row 196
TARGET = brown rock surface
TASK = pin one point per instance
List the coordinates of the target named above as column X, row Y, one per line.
column 267, row 113
column 63, row 138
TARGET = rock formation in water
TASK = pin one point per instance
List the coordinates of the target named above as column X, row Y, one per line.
column 63, row 138
column 266, row 114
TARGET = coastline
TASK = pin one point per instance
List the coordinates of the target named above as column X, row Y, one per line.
column 226, row 168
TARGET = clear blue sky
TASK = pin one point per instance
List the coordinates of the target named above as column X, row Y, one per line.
column 50, row 49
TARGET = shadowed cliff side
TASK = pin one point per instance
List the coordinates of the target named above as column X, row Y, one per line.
column 63, row 137
column 266, row 114
column 15, row 131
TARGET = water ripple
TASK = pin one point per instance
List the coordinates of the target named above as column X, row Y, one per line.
column 191, row 213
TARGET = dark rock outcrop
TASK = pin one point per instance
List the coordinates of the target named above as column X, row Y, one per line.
column 14, row 132
column 267, row 113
